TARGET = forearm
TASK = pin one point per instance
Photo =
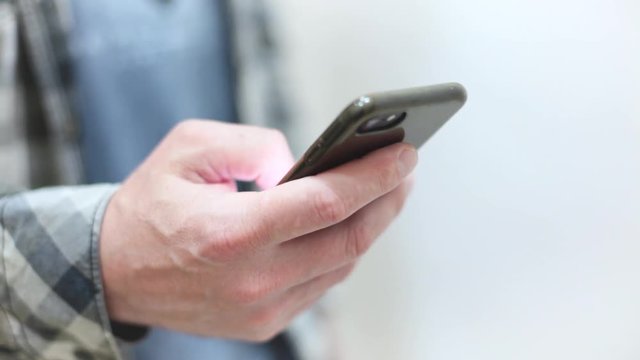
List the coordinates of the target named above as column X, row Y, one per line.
column 51, row 292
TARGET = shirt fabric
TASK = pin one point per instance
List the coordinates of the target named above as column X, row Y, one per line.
column 138, row 67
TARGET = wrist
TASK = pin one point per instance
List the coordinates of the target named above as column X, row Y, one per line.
column 113, row 261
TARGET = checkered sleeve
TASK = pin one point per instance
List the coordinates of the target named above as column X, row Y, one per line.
column 51, row 297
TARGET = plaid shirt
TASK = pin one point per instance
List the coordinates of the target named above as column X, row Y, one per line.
column 51, row 297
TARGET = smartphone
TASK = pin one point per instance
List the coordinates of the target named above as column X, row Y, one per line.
column 377, row 120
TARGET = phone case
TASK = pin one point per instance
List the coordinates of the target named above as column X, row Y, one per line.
column 424, row 111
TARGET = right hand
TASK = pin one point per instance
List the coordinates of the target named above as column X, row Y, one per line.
column 181, row 249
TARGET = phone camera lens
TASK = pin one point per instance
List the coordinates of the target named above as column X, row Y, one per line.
column 382, row 122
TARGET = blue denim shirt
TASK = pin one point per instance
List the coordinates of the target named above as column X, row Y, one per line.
column 138, row 68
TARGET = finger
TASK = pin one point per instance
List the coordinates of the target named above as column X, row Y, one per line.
column 318, row 286
column 309, row 204
column 326, row 250
column 219, row 152
column 302, row 296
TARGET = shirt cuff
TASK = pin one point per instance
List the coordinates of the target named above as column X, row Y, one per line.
column 51, row 290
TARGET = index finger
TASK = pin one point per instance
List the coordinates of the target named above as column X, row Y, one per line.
column 315, row 202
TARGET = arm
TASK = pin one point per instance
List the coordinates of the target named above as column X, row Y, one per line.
column 51, row 295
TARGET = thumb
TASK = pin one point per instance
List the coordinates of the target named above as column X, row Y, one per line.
column 228, row 152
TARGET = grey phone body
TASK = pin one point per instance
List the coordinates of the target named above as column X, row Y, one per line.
column 414, row 115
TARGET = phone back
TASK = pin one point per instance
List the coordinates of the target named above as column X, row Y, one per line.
column 377, row 120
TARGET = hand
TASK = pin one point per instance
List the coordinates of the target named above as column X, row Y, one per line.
column 181, row 249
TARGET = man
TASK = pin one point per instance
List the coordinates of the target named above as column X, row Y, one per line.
column 174, row 246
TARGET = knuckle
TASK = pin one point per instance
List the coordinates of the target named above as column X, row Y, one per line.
column 277, row 136
column 263, row 324
column 359, row 239
column 344, row 273
column 263, row 335
column 328, row 206
column 387, row 177
column 224, row 245
column 264, row 318
column 251, row 292
column 267, row 320
column 219, row 248
column 188, row 128
column 217, row 251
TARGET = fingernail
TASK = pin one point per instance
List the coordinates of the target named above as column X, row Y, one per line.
column 407, row 160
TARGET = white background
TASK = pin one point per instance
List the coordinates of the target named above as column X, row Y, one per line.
column 522, row 238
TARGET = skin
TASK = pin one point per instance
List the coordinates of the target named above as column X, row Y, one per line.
column 181, row 249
